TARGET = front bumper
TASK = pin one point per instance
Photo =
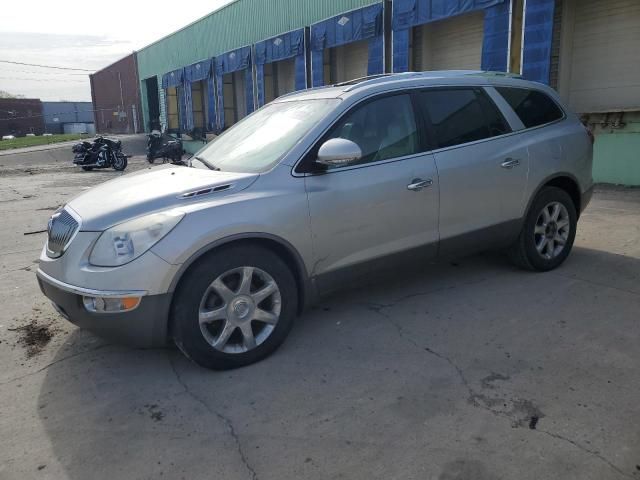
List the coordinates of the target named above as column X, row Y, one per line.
column 144, row 326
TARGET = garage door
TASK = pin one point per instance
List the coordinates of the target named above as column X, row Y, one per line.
column 452, row 44
column 286, row 74
column 351, row 60
column 605, row 63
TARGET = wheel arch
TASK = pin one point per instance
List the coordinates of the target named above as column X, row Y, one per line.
column 565, row 181
column 278, row 245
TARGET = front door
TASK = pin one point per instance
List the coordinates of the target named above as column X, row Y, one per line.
column 385, row 203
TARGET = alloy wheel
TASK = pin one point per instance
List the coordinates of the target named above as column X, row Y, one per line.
column 552, row 229
column 239, row 310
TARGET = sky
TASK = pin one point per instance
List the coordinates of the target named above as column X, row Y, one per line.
column 78, row 34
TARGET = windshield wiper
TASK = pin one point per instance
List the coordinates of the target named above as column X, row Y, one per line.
column 208, row 164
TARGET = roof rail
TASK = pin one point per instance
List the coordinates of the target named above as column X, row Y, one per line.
column 382, row 77
column 356, row 81
column 373, row 79
column 491, row 73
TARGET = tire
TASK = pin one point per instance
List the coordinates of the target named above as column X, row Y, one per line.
column 150, row 159
column 87, row 169
column 120, row 162
column 196, row 294
column 539, row 246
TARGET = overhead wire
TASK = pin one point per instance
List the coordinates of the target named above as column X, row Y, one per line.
column 46, row 66
column 42, row 79
column 44, row 73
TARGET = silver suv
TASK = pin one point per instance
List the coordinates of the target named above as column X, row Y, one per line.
column 313, row 189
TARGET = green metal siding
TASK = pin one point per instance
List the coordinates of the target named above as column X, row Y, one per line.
column 615, row 154
column 241, row 23
column 616, row 159
column 238, row 24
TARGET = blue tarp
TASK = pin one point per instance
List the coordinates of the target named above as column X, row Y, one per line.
column 278, row 48
column 495, row 43
column 187, row 123
column 362, row 24
column 212, row 121
column 173, row 79
column 233, row 61
column 409, row 13
column 194, row 73
column 182, row 105
column 538, row 35
column 198, row 71
column 176, row 79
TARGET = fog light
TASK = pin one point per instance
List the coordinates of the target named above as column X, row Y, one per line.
column 110, row 305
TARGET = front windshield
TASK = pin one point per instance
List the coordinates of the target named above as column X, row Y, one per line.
column 263, row 138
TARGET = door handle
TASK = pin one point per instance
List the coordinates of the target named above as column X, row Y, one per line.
column 418, row 184
column 510, row 163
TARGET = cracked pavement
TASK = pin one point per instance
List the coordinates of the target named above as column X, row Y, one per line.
column 467, row 370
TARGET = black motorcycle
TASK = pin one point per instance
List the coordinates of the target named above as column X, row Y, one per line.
column 101, row 153
column 158, row 148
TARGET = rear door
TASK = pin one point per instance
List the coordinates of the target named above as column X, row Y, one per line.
column 386, row 203
column 482, row 168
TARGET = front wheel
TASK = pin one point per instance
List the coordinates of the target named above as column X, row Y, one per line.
column 234, row 307
column 548, row 233
column 87, row 169
column 119, row 162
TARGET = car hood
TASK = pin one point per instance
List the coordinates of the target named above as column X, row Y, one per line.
column 152, row 190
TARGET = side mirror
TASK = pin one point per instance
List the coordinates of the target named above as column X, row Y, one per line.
column 338, row 152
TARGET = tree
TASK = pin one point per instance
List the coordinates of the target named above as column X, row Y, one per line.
column 4, row 94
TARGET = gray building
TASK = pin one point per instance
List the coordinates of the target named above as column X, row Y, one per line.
column 58, row 114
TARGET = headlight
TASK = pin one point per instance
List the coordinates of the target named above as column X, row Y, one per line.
column 129, row 240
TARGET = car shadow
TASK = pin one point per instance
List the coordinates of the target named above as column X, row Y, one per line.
column 400, row 377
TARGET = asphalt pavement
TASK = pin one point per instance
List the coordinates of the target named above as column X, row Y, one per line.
column 468, row 370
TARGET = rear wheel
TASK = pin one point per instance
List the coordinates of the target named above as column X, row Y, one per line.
column 548, row 233
column 235, row 307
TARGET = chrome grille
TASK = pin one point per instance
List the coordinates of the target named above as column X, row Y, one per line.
column 61, row 229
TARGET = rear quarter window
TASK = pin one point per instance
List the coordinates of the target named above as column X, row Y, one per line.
column 534, row 108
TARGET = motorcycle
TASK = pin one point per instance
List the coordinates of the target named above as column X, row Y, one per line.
column 157, row 148
column 101, row 153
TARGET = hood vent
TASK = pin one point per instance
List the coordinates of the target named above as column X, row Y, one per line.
column 207, row 191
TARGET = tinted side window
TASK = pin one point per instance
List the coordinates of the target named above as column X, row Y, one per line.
column 534, row 108
column 461, row 115
column 383, row 128
column 495, row 121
